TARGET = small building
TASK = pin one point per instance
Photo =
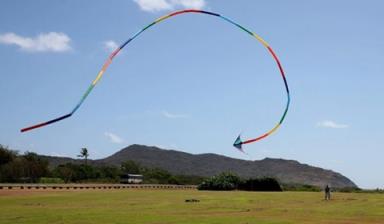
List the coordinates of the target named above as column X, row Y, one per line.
column 131, row 178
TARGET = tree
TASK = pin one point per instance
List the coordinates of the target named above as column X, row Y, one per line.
column 64, row 171
column 6, row 155
column 11, row 166
column 158, row 176
column 25, row 168
column 131, row 167
column 34, row 166
column 223, row 182
column 110, row 173
column 12, row 171
column 84, row 154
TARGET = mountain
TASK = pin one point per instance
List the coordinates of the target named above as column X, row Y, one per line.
column 206, row 165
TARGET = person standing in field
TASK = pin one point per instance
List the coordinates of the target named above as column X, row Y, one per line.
column 327, row 192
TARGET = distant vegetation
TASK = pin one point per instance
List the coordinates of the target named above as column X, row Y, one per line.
column 229, row 181
column 32, row 168
column 158, row 175
column 28, row 167
column 300, row 187
column 260, row 184
column 222, row 182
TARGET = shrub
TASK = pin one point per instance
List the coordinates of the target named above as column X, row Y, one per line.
column 229, row 181
column 222, row 182
column 260, row 184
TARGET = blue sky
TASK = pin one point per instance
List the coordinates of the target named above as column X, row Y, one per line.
column 194, row 82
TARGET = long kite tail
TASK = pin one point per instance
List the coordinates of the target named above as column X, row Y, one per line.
column 238, row 143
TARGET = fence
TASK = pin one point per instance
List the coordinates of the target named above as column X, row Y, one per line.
column 93, row 186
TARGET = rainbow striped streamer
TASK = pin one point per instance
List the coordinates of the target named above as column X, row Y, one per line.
column 238, row 143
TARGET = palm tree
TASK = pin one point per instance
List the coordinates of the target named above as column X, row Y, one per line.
column 84, row 154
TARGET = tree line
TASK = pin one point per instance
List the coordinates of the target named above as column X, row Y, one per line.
column 28, row 167
column 32, row 168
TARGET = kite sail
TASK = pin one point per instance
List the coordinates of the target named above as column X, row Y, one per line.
column 238, row 143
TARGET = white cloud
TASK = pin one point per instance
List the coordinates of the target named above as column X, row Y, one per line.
column 194, row 4
column 153, row 5
column 110, row 45
column 160, row 5
column 172, row 115
column 58, row 154
column 114, row 138
column 331, row 124
column 44, row 42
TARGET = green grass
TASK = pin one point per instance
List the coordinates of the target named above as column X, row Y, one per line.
column 161, row 206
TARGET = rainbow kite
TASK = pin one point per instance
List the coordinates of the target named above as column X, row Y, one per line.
column 238, row 143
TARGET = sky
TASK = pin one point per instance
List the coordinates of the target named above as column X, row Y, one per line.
column 194, row 82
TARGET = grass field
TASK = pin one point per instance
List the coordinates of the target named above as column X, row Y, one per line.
column 169, row 206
